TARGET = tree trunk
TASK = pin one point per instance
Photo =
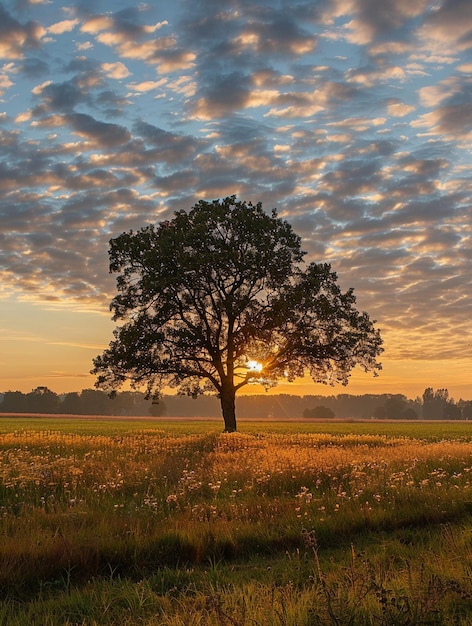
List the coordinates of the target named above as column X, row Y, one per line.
column 228, row 407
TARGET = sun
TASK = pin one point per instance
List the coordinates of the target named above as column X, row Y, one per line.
column 254, row 366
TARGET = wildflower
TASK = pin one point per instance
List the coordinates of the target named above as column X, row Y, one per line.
column 304, row 495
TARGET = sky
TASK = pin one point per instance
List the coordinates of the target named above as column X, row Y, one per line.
column 352, row 117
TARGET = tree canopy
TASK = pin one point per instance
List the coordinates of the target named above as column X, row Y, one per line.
column 220, row 297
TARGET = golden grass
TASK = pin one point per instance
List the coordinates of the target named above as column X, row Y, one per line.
column 77, row 507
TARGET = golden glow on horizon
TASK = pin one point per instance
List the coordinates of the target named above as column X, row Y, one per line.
column 25, row 365
column 55, row 348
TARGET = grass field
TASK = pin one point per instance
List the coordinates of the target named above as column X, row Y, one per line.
column 294, row 524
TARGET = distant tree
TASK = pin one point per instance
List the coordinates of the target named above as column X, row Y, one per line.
column 71, row 404
column 409, row 414
column 322, row 412
column 158, row 408
column 95, row 402
column 13, row 402
column 452, row 411
column 380, row 413
column 42, row 400
column 123, row 403
column 438, row 406
column 218, row 298
column 394, row 407
column 431, row 408
column 466, row 409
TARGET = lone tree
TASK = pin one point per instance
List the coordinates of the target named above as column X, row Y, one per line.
column 219, row 297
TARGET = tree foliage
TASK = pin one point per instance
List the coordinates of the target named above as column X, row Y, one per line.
column 204, row 295
column 319, row 412
column 437, row 405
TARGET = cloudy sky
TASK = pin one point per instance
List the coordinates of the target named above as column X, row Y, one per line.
column 352, row 117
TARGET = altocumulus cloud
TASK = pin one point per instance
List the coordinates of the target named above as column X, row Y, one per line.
column 353, row 118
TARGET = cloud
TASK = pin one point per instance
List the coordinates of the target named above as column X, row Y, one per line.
column 5, row 82
column 448, row 24
column 132, row 40
column 148, row 85
column 124, row 23
column 15, row 37
column 275, row 34
column 225, row 93
column 452, row 117
column 399, row 109
column 61, row 97
column 172, row 148
column 66, row 26
column 348, row 116
column 116, row 70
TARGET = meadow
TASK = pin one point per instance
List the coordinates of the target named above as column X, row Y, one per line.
column 107, row 522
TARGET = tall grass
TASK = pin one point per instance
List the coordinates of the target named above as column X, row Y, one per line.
column 155, row 526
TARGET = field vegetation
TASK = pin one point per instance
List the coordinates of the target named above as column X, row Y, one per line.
column 174, row 523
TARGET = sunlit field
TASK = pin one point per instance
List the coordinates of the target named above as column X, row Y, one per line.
column 175, row 523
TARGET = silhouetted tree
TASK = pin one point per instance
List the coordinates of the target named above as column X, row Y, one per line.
column 394, row 407
column 409, row 414
column 95, row 402
column 437, row 405
column 319, row 412
column 218, row 298
column 123, row 403
column 452, row 411
column 14, row 402
column 466, row 409
column 158, row 408
column 42, row 400
column 380, row 413
column 71, row 404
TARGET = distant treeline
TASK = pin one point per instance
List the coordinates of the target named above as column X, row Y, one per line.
column 432, row 405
